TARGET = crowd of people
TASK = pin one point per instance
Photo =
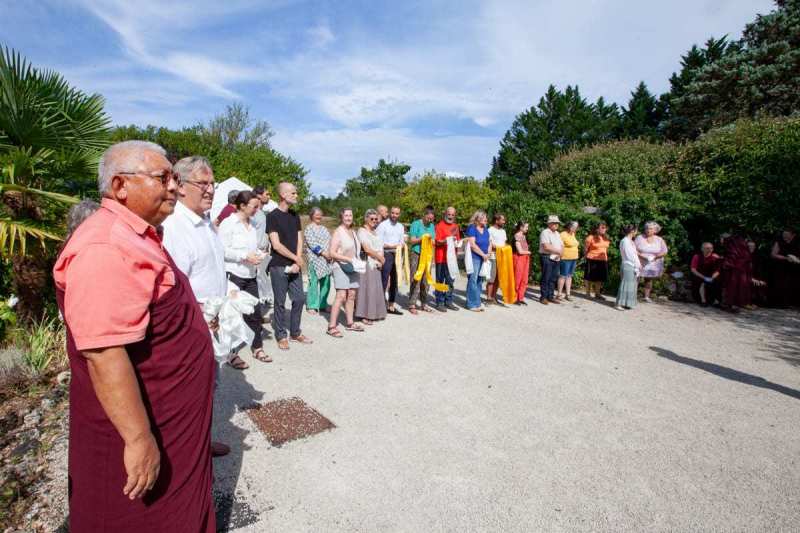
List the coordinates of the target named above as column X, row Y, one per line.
column 138, row 271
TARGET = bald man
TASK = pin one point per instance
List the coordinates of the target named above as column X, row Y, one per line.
column 285, row 268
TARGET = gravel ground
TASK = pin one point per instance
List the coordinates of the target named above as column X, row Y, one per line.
column 561, row 418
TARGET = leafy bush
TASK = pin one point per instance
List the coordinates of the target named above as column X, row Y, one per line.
column 744, row 175
column 466, row 194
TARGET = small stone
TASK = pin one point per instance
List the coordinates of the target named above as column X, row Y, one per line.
column 63, row 378
column 32, row 419
column 47, row 404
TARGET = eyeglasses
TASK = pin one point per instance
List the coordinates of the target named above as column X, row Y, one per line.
column 202, row 185
column 165, row 177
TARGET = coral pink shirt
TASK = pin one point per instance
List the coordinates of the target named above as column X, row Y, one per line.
column 111, row 270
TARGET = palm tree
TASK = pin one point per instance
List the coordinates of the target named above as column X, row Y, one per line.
column 51, row 136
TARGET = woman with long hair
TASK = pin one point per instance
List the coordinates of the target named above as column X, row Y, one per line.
column 630, row 268
column 343, row 251
column 522, row 261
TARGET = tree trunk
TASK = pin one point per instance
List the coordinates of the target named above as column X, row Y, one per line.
column 30, row 273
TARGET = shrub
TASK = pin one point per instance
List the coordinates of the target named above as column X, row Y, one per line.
column 466, row 194
column 46, row 345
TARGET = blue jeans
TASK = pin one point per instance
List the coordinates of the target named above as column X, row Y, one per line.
column 474, row 282
column 549, row 277
column 443, row 276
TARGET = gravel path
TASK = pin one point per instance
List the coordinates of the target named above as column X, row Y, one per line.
column 561, row 418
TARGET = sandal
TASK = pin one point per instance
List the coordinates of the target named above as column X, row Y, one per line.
column 413, row 310
column 334, row 332
column 238, row 363
column 367, row 322
column 261, row 355
column 427, row 309
column 354, row 327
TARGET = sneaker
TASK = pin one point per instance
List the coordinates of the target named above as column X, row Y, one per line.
column 544, row 301
column 619, row 308
column 441, row 308
column 451, row 307
column 647, row 299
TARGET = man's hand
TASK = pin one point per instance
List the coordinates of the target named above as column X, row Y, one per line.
column 294, row 269
column 142, row 462
column 213, row 325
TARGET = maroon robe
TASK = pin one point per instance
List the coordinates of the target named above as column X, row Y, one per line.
column 174, row 364
column 737, row 270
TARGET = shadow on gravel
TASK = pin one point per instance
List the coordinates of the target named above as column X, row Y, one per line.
column 780, row 327
column 233, row 510
column 727, row 373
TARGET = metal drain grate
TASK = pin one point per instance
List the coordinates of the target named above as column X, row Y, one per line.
column 287, row 420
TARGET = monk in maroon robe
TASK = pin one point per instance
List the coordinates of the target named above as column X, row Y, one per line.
column 736, row 273
column 141, row 359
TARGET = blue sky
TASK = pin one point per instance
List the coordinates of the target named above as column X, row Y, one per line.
column 434, row 84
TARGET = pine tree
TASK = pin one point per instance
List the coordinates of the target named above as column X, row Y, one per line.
column 640, row 119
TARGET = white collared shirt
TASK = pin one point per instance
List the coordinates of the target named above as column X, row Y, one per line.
column 197, row 250
column 239, row 241
column 553, row 238
column 391, row 233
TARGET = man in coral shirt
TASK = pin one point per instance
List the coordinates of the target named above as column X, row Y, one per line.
column 445, row 229
column 141, row 359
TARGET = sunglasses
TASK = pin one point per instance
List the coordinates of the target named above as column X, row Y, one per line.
column 165, row 177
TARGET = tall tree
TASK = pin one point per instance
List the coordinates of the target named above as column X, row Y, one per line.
column 640, row 119
column 678, row 122
column 387, row 178
column 760, row 75
column 560, row 122
column 235, row 127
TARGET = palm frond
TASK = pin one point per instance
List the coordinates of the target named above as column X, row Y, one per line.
column 17, row 232
column 55, row 196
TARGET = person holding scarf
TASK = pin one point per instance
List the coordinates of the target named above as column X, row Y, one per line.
column 418, row 290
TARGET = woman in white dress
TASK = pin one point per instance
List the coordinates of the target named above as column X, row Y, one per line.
column 651, row 249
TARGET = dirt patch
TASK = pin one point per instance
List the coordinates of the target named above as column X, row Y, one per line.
column 289, row 419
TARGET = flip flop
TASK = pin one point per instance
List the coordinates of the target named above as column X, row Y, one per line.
column 334, row 332
column 238, row 363
column 263, row 357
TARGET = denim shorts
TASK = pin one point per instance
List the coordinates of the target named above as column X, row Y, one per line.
column 566, row 267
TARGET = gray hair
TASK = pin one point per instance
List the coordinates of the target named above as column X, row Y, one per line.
column 122, row 157
column 80, row 212
column 313, row 211
column 652, row 224
column 572, row 224
column 477, row 215
column 186, row 167
column 368, row 213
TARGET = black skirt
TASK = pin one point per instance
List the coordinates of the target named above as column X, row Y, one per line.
column 596, row 270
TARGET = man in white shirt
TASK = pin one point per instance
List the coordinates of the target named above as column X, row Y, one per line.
column 268, row 204
column 550, row 248
column 192, row 242
column 392, row 234
column 498, row 238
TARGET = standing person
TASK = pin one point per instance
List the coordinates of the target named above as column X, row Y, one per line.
column 736, row 271
column 242, row 257
column 259, row 221
column 371, row 299
column 630, row 268
column 393, row 236
column 344, row 251
column 652, row 249
column 418, row 291
column 317, row 240
column 285, row 268
column 550, row 247
column 267, row 203
column 785, row 255
column 383, row 213
column 758, row 293
column 445, row 229
column 596, row 253
column 499, row 238
column 141, row 360
column 522, row 261
column 569, row 258
column 480, row 248
column 705, row 268
column 192, row 242
column 228, row 210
